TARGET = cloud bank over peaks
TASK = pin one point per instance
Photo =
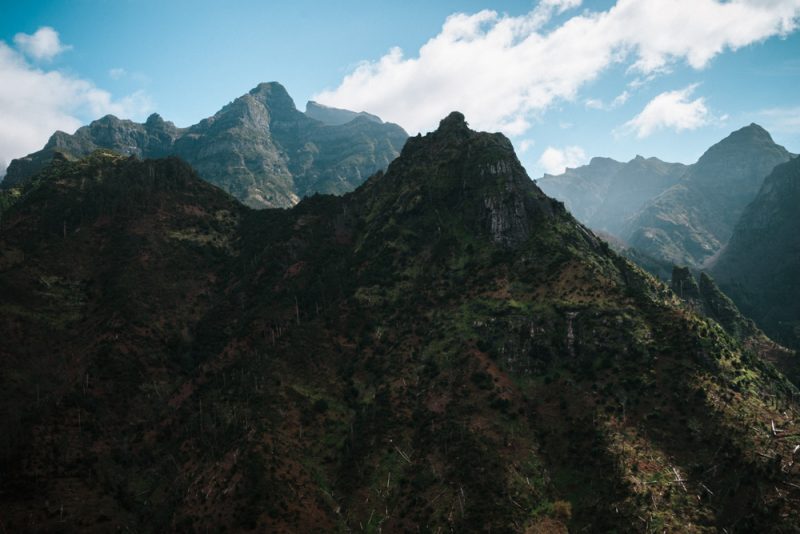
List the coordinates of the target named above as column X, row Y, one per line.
column 504, row 71
column 36, row 102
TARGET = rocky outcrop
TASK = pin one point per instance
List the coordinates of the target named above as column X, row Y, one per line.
column 683, row 283
column 506, row 214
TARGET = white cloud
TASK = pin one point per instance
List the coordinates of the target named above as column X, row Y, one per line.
column 560, row 5
column 504, row 71
column 34, row 103
column 43, row 44
column 620, row 99
column 596, row 103
column 780, row 120
column 556, row 161
column 117, row 73
column 671, row 109
column 525, row 145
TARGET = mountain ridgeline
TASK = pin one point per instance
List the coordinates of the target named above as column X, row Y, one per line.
column 605, row 193
column 259, row 147
column 669, row 212
column 444, row 349
column 690, row 222
column 760, row 266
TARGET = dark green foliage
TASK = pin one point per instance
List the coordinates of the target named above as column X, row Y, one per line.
column 445, row 348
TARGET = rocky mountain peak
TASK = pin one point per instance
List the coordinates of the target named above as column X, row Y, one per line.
column 752, row 130
column 274, row 96
column 108, row 120
column 154, row 120
column 454, row 122
column 749, row 138
column 433, row 340
column 470, row 180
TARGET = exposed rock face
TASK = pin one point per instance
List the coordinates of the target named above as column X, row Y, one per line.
column 259, row 148
column 485, row 181
column 506, row 209
column 759, row 268
column 690, row 222
column 683, row 284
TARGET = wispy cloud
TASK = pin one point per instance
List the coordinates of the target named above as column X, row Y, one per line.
column 596, row 103
column 117, row 73
column 780, row 120
column 504, row 71
column 555, row 161
column 525, row 145
column 34, row 103
column 43, row 44
column 671, row 109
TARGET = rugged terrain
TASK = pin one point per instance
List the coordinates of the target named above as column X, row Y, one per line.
column 691, row 221
column 760, row 266
column 605, row 193
column 667, row 212
column 259, row 147
column 444, row 349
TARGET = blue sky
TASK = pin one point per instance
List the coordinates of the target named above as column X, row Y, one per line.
column 565, row 79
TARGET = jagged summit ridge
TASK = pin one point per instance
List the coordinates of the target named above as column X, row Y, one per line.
column 275, row 97
column 691, row 221
column 606, row 192
column 471, row 179
column 259, row 148
column 455, row 121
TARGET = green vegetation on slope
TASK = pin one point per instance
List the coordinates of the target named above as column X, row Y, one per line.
column 445, row 348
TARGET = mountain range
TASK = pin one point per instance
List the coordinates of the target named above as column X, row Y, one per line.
column 723, row 214
column 606, row 193
column 259, row 147
column 443, row 349
column 672, row 213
